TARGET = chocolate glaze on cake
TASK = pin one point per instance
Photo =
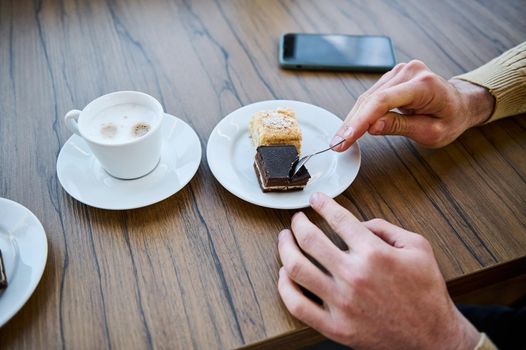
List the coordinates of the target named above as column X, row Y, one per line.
column 3, row 276
column 272, row 167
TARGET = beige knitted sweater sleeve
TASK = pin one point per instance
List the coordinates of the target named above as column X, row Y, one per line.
column 505, row 78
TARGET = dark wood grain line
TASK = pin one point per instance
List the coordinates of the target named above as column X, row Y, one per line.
column 284, row 217
column 125, row 34
column 435, row 205
column 495, row 9
column 4, row 184
column 182, row 290
column 474, row 25
column 218, row 265
column 503, row 157
column 138, row 294
column 483, row 175
column 449, row 197
column 12, row 57
column 46, row 59
column 381, row 198
column 369, row 14
column 54, row 191
column 343, row 81
column 362, row 83
column 66, row 81
column 355, row 203
column 291, row 15
column 397, row 48
column 508, row 162
column 430, row 36
column 63, row 65
column 202, row 31
column 65, row 266
column 252, row 289
column 314, row 22
column 245, row 50
column 97, row 269
column 38, row 8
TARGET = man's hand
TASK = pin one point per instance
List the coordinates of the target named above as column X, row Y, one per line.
column 431, row 110
column 385, row 291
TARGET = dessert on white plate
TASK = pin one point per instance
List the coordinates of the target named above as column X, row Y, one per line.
column 230, row 154
column 277, row 137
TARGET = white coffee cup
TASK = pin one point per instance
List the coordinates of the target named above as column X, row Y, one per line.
column 122, row 129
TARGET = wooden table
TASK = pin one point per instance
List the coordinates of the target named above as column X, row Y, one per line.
column 199, row 269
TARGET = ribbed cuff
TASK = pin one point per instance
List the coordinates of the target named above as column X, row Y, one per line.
column 505, row 78
column 485, row 343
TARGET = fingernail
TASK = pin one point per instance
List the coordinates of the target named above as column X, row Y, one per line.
column 379, row 126
column 280, row 234
column 336, row 139
column 348, row 133
column 314, row 198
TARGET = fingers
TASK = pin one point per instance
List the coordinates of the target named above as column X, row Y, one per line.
column 361, row 118
column 300, row 269
column 394, row 235
column 315, row 243
column 299, row 305
column 346, row 225
column 376, row 106
column 387, row 77
column 344, row 131
column 425, row 130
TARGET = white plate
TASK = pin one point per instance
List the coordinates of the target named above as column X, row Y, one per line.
column 24, row 249
column 230, row 155
column 82, row 176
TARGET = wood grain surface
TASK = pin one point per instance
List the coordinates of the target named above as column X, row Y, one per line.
column 199, row 269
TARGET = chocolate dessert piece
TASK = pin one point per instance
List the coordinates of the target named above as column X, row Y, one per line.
column 3, row 277
column 272, row 167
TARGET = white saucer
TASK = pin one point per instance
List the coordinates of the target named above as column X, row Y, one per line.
column 82, row 176
column 24, row 250
column 230, row 155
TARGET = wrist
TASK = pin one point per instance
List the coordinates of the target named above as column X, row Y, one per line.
column 464, row 336
column 451, row 330
column 478, row 103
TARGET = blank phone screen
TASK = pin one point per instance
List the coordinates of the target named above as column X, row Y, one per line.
column 338, row 51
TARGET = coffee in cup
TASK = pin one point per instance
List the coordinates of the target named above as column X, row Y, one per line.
column 120, row 124
column 123, row 131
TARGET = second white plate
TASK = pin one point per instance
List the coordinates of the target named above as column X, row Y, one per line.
column 24, row 248
column 230, row 154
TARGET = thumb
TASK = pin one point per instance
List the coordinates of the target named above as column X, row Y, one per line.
column 416, row 127
column 392, row 234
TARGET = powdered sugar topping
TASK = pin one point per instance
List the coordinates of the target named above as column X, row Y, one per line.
column 277, row 121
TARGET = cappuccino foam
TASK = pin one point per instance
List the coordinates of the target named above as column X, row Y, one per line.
column 120, row 123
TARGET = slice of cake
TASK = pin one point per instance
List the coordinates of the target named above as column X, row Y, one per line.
column 3, row 276
column 272, row 165
column 277, row 127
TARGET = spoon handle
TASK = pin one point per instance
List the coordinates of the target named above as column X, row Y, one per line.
column 325, row 150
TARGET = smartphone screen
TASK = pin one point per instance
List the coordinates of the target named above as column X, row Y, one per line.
column 364, row 53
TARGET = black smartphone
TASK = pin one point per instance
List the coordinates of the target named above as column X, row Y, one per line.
column 359, row 53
